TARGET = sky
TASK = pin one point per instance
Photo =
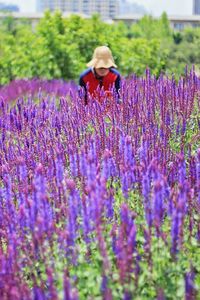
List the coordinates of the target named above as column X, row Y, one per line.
column 155, row 7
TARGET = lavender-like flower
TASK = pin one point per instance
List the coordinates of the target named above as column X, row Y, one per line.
column 190, row 290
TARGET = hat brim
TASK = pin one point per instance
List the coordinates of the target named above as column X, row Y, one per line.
column 101, row 63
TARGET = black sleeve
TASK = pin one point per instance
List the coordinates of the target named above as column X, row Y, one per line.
column 118, row 84
column 82, row 86
column 81, row 82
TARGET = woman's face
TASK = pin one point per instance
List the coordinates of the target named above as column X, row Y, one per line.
column 102, row 71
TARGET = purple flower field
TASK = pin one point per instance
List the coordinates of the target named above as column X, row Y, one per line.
column 100, row 201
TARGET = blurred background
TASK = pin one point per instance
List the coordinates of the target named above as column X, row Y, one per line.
column 55, row 38
column 155, row 7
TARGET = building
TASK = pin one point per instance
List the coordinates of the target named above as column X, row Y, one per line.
column 176, row 22
column 126, row 7
column 8, row 7
column 196, row 7
column 31, row 18
column 107, row 9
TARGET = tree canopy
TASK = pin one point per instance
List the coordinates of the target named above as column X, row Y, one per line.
column 60, row 47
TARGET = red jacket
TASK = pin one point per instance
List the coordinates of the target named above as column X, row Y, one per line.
column 92, row 83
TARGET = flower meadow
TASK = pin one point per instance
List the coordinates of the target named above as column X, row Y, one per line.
column 100, row 201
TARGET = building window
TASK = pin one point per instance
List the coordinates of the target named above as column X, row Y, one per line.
column 195, row 25
column 179, row 26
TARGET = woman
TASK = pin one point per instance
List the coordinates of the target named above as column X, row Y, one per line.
column 101, row 79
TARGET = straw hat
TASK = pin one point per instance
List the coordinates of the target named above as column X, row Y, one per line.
column 102, row 58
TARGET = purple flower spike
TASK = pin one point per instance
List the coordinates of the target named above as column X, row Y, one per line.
column 158, row 205
column 190, row 290
column 38, row 294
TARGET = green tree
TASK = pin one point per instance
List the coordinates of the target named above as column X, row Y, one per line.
column 60, row 47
